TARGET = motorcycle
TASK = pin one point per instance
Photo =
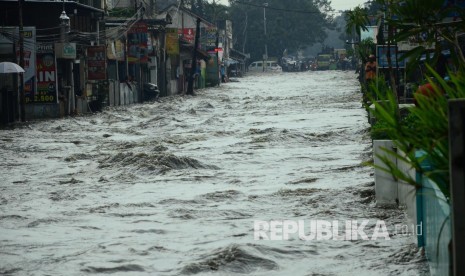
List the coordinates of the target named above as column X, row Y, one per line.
column 151, row 92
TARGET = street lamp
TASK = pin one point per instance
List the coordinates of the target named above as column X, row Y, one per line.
column 265, row 56
column 64, row 25
column 64, row 30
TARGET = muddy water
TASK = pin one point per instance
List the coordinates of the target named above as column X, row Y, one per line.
column 174, row 187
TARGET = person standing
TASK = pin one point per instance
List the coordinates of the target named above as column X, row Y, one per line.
column 223, row 74
column 370, row 69
column 370, row 75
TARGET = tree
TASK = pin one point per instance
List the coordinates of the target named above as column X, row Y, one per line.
column 290, row 25
column 215, row 12
column 197, row 7
column 356, row 21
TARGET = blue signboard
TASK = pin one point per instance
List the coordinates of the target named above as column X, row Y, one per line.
column 381, row 56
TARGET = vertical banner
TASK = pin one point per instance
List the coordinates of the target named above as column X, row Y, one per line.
column 211, row 39
column 96, row 63
column 29, row 61
column 46, row 75
column 172, row 41
column 137, row 43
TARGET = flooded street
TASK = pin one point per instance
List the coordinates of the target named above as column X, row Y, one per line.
column 174, row 187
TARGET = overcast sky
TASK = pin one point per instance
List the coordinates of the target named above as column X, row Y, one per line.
column 336, row 4
column 346, row 4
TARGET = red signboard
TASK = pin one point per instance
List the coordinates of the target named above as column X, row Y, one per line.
column 188, row 34
column 96, row 60
column 137, row 43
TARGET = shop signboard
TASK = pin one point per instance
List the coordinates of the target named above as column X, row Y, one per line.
column 46, row 75
column 65, row 50
column 96, row 61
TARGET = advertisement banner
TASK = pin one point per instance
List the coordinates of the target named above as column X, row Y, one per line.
column 137, row 43
column 96, row 63
column 29, row 61
column 172, row 41
column 46, row 75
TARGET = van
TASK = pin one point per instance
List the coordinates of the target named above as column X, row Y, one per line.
column 257, row 66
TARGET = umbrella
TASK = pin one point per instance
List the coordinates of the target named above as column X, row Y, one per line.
column 10, row 67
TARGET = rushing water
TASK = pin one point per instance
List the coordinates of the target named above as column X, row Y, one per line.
column 174, row 187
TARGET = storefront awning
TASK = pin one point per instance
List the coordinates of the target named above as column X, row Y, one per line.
column 238, row 55
column 200, row 53
column 230, row 61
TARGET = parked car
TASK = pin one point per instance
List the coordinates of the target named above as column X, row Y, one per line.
column 257, row 66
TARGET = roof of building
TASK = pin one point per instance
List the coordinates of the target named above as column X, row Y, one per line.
column 163, row 13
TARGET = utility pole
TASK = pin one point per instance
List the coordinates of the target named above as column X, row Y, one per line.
column 456, row 112
column 182, row 19
column 265, row 56
column 22, row 96
column 190, row 84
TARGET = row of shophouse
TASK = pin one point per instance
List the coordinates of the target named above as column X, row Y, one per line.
column 78, row 59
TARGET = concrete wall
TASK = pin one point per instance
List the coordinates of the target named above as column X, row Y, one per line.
column 406, row 193
column 427, row 208
column 392, row 192
column 385, row 185
column 82, row 105
column 113, row 91
column 128, row 94
column 42, row 111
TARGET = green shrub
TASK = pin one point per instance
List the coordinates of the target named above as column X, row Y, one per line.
column 425, row 128
column 380, row 129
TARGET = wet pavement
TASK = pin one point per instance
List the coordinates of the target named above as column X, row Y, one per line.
column 174, row 187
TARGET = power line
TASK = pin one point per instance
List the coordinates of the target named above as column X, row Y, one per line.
column 276, row 9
